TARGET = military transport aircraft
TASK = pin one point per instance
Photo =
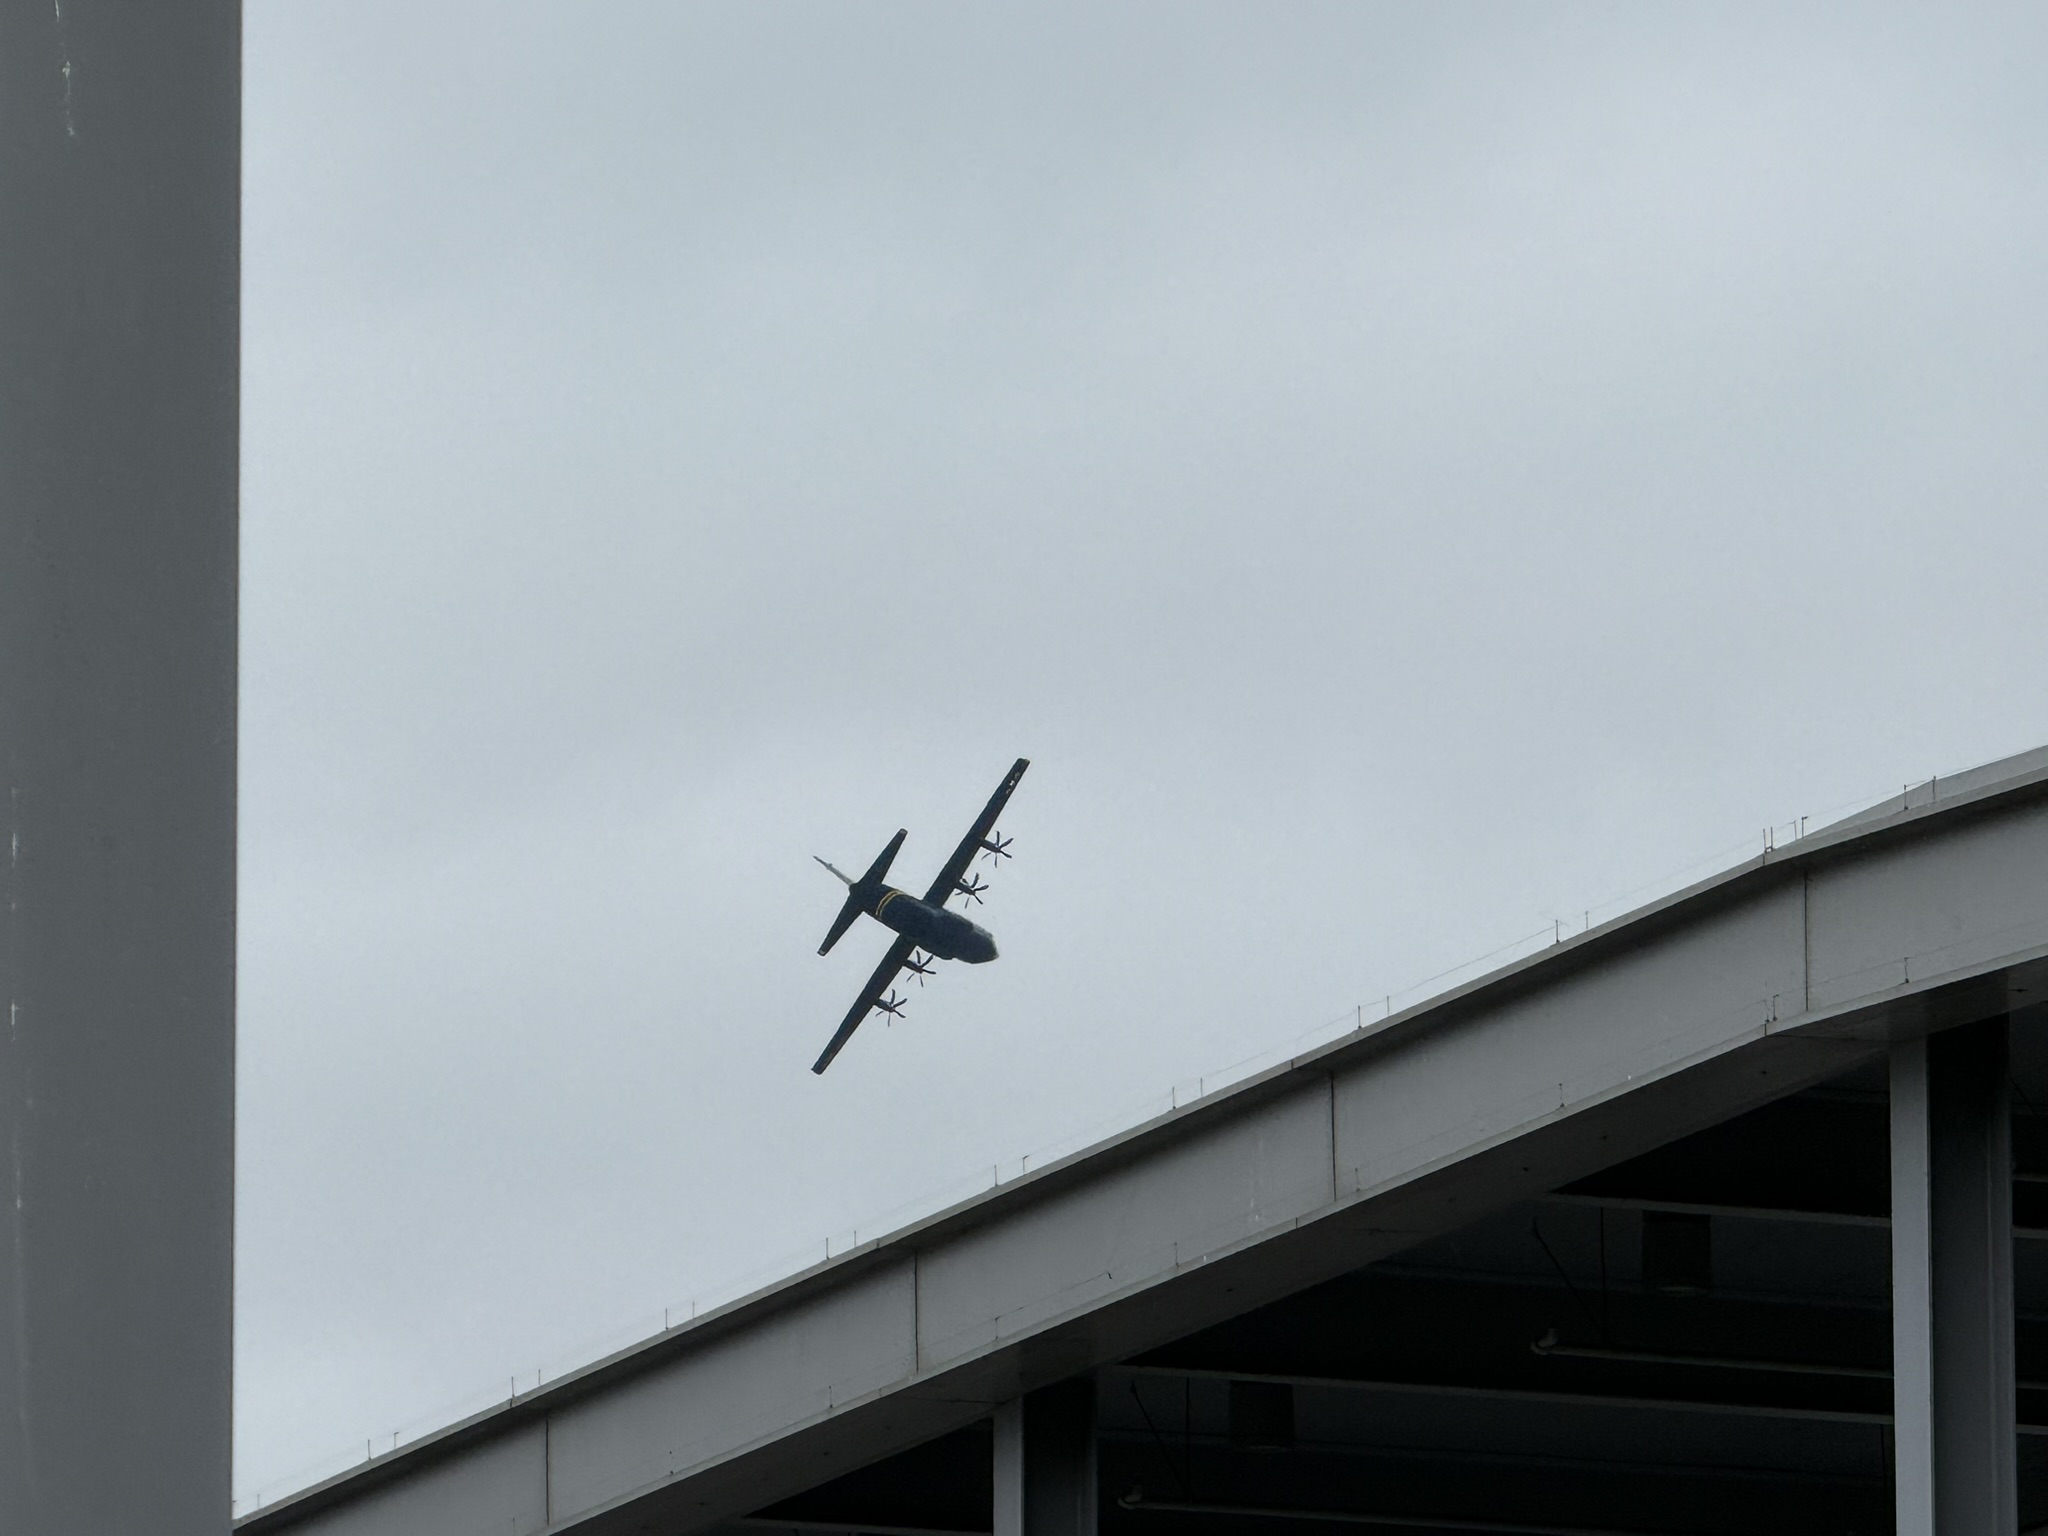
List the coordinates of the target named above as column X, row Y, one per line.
column 927, row 932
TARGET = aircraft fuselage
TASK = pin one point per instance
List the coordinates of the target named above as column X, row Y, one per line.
column 946, row 934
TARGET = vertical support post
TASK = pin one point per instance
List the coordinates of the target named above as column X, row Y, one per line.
column 1009, row 1469
column 120, row 144
column 1912, row 1294
column 1955, row 1460
column 1053, row 1432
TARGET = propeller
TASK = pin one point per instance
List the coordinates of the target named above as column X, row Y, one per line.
column 996, row 847
column 892, row 1004
column 971, row 888
column 928, row 966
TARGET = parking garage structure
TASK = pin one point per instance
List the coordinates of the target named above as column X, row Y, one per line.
column 1728, row 1216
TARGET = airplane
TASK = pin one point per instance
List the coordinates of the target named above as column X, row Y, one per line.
column 927, row 932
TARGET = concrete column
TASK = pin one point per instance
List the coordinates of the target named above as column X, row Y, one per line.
column 120, row 140
column 1009, row 1469
column 1045, row 1462
column 1952, row 1300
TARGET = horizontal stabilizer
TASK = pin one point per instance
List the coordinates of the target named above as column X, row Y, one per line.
column 861, row 893
column 880, row 868
column 843, row 921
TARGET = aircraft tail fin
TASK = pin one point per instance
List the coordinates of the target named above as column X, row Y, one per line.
column 859, row 893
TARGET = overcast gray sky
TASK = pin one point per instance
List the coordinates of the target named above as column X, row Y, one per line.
column 1405, row 474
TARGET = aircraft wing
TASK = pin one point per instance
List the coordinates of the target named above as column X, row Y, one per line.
column 970, row 845
column 885, row 974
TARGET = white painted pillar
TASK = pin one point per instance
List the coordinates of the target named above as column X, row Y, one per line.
column 1955, row 1463
column 1009, row 1468
column 1912, row 1297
